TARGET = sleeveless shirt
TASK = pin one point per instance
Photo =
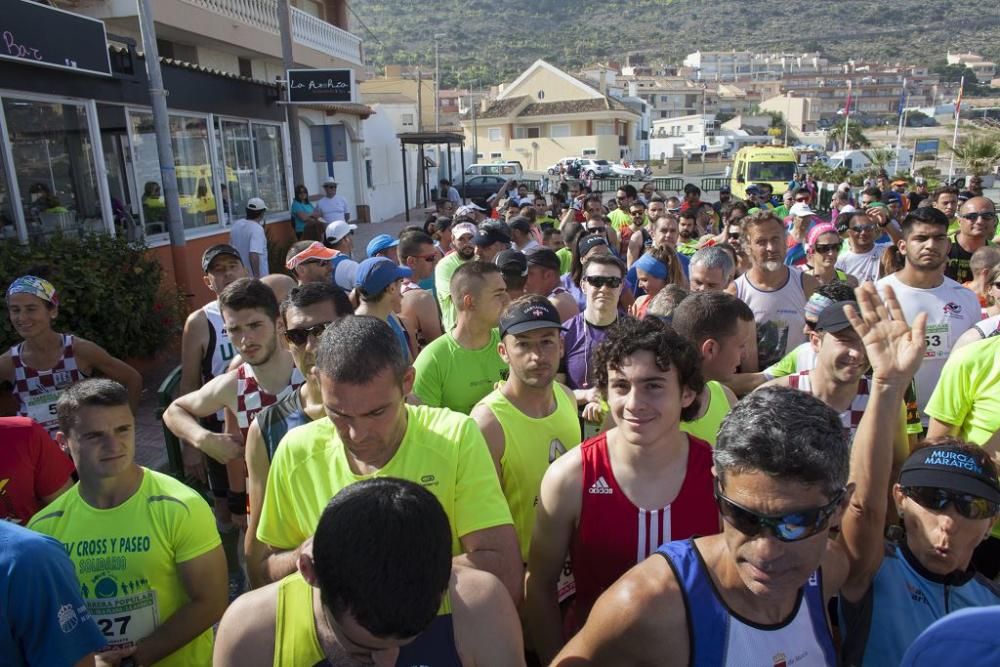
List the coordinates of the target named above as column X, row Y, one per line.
column 276, row 420
column 251, row 398
column 849, row 418
column 718, row 636
column 779, row 313
column 706, row 427
column 37, row 390
column 219, row 351
column 614, row 534
column 296, row 642
column 530, row 446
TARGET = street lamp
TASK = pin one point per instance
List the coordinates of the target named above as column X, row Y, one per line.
column 437, row 82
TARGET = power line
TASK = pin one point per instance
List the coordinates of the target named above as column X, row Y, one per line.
column 364, row 25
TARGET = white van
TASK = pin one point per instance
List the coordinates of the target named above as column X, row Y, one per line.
column 508, row 169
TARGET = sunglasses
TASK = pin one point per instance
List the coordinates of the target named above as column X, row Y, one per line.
column 604, row 281
column 823, row 248
column 321, row 262
column 788, row 528
column 596, row 230
column 857, row 229
column 985, row 215
column 639, row 212
column 969, row 506
column 301, row 336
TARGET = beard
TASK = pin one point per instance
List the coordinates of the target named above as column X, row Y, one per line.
column 771, row 267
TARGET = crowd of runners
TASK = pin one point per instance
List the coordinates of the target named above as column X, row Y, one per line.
column 540, row 429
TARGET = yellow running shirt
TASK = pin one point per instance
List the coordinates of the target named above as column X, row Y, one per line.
column 707, row 426
column 530, row 445
column 126, row 558
column 441, row 449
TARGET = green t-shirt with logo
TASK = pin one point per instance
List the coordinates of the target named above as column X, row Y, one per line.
column 450, row 376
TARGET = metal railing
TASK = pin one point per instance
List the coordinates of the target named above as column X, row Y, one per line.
column 306, row 29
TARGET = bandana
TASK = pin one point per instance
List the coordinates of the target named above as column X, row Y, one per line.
column 35, row 286
column 652, row 266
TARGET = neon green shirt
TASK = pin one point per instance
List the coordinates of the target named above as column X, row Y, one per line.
column 450, row 376
column 707, row 426
column 565, row 260
column 530, row 446
column 443, row 272
column 620, row 218
column 126, row 558
column 442, row 450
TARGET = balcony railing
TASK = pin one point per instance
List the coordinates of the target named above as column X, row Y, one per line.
column 306, row 29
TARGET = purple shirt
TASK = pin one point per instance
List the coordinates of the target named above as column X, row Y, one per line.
column 579, row 343
column 566, row 280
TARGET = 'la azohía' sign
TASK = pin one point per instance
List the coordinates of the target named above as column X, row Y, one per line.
column 320, row 85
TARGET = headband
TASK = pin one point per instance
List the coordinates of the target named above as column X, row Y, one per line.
column 819, row 230
column 652, row 266
column 35, row 286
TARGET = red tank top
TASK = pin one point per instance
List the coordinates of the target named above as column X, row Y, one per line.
column 614, row 534
column 251, row 398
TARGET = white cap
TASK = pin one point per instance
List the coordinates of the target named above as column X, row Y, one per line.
column 337, row 230
column 329, row 180
column 256, row 204
column 801, row 210
column 847, row 209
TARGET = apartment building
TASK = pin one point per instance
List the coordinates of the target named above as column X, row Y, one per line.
column 982, row 68
column 740, row 65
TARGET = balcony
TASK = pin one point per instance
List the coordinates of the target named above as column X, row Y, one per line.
column 306, row 29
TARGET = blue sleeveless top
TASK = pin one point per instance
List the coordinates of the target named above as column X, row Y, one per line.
column 713, row 628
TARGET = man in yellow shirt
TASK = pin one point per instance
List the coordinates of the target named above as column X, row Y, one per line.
column 369, row 431
column 144, row 546
column 530, row 420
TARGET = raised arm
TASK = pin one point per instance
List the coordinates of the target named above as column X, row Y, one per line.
column 895, row 351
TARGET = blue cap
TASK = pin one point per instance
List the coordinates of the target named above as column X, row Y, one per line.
column 380, row 243
column 376, row 273
column 967, row 636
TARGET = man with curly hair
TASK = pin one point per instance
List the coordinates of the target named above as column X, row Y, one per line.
column 594, row 499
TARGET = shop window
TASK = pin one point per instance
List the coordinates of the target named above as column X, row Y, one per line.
column 55, row 171
column 8, row 224
column 192, row 164
column 270, row 166
column 237, row 156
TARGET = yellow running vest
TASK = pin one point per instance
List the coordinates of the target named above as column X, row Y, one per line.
column 530, row 445
column 707, row 426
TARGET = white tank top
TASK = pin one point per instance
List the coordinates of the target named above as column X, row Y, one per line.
column 749, row 645
column 780, row 315
column 219, row 351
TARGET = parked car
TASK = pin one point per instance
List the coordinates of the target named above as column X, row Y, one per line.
column 565, row 163
column 481, row 187
column 590, row 168
column 618, row 169
column 508, row 169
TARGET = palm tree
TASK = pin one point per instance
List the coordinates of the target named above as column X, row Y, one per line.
column 978, row 152
column 855, row 137
column 880, row 158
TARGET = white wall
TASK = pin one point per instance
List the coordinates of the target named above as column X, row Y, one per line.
column 383, row 149
column 314, row 173
column 220, row 60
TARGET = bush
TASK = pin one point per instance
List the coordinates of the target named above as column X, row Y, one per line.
column 110, row 292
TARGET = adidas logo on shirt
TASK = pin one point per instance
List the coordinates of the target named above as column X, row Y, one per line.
column 601, row 487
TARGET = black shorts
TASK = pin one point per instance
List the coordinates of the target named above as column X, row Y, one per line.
column 218, row 476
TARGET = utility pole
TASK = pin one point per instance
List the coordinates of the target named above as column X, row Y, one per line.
column 291, row 111
column 164, row 150
column 437, row 83
column 420, row 102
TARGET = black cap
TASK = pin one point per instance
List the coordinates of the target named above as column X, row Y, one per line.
column 832, row 318
column 588, row 243
column 530, row 315
column 216, row 250
column 952, row 468
column 488, row 235
column 512, row 261
column 521, row 224
column 544, row 257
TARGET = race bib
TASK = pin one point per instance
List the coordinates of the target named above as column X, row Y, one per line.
column 566, row 588
column 42, row 407
column 125, row 620
column 938, row 339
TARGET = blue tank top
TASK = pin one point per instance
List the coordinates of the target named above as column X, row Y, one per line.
column 719, row 637
column 434, row 647
column 401, row 335
column 904, row 599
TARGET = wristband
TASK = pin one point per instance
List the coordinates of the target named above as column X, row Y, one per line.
column 237, row 502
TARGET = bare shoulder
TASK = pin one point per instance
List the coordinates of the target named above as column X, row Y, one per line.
column 563, row 475
column 631, row 619
column 246, row 631
column 486, row 625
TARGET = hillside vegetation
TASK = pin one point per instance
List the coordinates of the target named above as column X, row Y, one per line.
column 491, row 41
